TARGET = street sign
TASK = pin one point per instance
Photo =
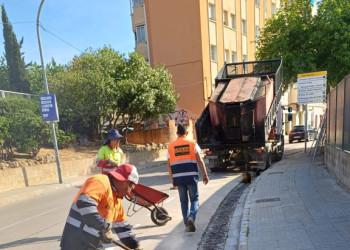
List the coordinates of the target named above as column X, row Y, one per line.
column 48, row 108
column 312, row 87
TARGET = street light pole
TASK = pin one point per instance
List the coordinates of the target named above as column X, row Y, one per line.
column 47, row 92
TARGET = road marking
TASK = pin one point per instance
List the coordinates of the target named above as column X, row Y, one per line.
column 33, row 217
column 169, row 200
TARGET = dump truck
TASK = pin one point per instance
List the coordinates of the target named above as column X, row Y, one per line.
column 242, row 125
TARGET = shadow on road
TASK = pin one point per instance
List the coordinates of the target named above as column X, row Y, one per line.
column 29, row 241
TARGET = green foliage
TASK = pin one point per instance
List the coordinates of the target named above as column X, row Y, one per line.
column 4, row 80
column 82, row 90
column 21, row 126
column 142, row 92
column 35, row 75
column 15, row 61
column 4, row 126
column 331, row 39
column 287, row 35
column 309, row 43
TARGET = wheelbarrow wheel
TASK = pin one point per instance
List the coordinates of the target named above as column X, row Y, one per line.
column 159, row 218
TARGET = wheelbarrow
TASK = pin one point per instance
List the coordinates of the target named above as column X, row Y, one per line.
column 149, row 198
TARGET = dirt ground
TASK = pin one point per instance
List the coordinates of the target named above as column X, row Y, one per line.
column 70, row 152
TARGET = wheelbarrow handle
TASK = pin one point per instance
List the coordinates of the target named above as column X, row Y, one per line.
column 120, row 245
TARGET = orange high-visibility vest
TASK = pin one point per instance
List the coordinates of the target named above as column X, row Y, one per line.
column 183, row 162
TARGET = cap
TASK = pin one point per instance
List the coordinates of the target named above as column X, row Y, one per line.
column 126, row 172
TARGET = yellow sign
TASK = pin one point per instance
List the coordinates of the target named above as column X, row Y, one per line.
column 320, row 73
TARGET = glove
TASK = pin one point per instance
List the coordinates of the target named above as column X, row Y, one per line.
column 106, row 235
column 112, row 163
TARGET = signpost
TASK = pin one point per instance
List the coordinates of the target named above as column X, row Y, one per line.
column 311, row 89
column 48, row 105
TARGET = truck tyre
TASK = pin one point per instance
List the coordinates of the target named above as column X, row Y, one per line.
column 268, row 161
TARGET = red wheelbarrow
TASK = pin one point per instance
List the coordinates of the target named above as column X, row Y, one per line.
column 149, row 198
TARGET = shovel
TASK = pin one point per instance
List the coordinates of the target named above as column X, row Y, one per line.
column 120, row 245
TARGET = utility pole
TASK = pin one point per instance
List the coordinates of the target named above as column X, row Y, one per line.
column 47, row 92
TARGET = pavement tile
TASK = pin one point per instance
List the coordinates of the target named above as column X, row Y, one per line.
column 295, row 205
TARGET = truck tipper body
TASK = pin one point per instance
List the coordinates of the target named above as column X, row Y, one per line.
column 242, row 124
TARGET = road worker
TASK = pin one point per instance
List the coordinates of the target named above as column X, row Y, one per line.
column 110, row 155
column 97, row 214
column 183, row 157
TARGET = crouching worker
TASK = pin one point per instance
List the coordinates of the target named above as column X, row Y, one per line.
column 97, row 213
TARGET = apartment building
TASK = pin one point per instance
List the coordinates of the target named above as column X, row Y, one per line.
column 194, row 38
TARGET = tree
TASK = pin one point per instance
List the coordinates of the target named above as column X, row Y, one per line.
column 142, row 92
column 309, row 43
column 331, row 39
column 287, row 35
column 35, row 75
column 4, row 80
column 83, row 93
column 15, row 61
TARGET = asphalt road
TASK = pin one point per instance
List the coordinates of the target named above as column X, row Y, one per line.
column 38, row 223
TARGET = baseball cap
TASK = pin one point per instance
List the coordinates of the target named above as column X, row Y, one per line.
column 126, row 172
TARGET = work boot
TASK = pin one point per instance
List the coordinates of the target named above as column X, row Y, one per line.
column 190, row 225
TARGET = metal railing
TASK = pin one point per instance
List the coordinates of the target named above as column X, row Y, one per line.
column 5, row 93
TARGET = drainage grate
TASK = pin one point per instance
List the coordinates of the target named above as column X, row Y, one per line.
column 268, row 200
column 276, row 173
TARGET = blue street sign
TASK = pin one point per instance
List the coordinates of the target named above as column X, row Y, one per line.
column 48, row 108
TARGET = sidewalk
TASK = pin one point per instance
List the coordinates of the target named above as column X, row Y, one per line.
column 15, row 195
column 295, row 206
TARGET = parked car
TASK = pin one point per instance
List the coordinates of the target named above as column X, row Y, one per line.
column 298, row 133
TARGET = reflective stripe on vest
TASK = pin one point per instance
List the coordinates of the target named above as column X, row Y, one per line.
column 77, row 223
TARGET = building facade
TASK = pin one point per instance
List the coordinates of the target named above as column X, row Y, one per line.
column 194, row 38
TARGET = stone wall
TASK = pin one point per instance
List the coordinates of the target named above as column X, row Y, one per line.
column 338, row 164
column 13, row 178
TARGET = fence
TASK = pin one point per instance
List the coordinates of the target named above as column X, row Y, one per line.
column 338, row 112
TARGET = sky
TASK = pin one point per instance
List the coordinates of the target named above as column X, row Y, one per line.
column 71, row 26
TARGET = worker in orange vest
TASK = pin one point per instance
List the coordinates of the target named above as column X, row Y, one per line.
column 183, row 156
column 97, row 212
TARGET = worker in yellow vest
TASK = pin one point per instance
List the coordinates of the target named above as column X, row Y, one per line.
column 110, row 155
column 183, row 157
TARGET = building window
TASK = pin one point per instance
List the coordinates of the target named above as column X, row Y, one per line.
column 137, row 3
column 234, row 56
column 244, row 26
column 273, row 8
column 225, row 18
column 233, row 21
column 257, row 32
column 140, row 33
column 211, row 13
column 245, row 59
column 213, row 53
column 257, row 3
column 227, row 55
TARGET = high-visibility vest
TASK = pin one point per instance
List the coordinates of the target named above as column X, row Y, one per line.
column 183, row 162
column 95, row 206
column 105, row 153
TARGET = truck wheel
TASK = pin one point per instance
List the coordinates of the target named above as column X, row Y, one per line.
column 268, row 161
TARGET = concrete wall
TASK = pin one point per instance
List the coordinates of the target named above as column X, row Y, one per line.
column 13, row 178
column 338, row 164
